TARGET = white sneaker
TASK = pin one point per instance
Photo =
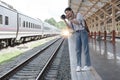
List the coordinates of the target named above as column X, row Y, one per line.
column 78, row 68
column 86, row 68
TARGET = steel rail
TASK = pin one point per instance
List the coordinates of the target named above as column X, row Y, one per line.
column 12, row 71
column 42, row 73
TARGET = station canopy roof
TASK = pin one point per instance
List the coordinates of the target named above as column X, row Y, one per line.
column 87, row 7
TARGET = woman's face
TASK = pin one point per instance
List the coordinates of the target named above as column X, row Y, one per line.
column 68, row 14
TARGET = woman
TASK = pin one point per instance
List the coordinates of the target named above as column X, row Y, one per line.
column 76, row 25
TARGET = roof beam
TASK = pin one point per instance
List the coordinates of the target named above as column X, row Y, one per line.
column 112, row 3
column 91, row 8
column 97, row 7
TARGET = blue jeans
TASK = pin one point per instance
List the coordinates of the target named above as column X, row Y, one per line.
column 81, row 38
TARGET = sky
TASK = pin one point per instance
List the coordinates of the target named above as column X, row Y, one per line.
column 42, row 9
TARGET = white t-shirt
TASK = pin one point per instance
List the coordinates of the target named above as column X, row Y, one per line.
column 81, row 25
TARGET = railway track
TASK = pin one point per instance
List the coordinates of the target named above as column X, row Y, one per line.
column 34, row 67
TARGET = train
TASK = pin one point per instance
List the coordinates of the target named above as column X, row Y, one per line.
column 16, row 27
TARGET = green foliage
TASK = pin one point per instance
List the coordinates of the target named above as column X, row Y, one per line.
column 59, row 24
column 51, row 21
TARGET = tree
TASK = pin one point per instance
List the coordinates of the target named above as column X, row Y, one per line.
column 59, row 24
column 51, row 21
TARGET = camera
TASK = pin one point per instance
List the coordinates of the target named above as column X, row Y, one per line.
column 63, row 16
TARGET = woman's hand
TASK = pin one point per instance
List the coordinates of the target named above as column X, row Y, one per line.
column 75, row 21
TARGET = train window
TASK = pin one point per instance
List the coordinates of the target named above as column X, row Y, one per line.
column 40, row 26
column 26, row 24
column 29, row 24
column 20, row 22
column 6, row 20
column 1, row 19
column 23, row 23
column 37, row 26
column 33, row 25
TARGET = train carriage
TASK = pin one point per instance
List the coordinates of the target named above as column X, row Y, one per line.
column 18, row 28
column 8, row 25
column 29, row 28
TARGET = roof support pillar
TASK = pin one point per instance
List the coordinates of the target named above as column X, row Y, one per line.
column 113, row 24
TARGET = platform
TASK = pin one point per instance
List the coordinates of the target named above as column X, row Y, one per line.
column 82, row 75
column 105, row 59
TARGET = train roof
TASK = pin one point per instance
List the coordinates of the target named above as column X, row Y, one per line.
column 5, row 5
column 9, row 7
